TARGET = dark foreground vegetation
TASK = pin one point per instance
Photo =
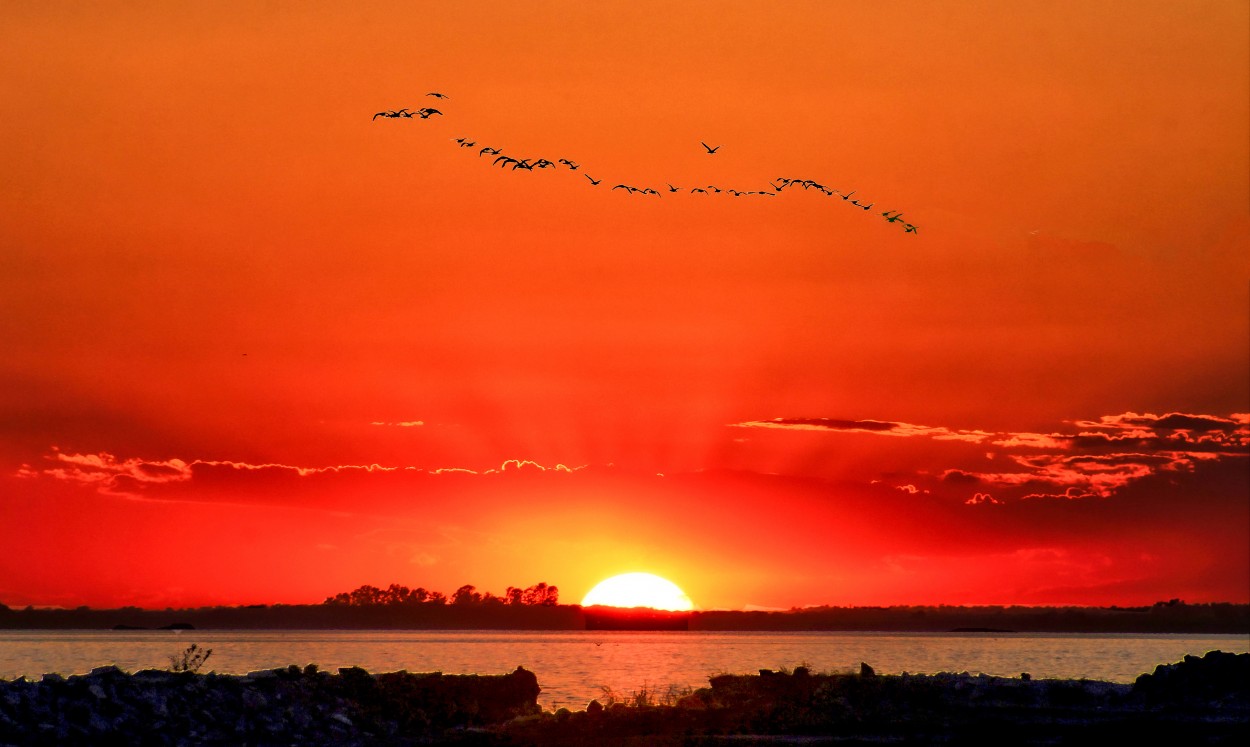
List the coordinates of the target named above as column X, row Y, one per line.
column 1197, row 701
column 536, row 608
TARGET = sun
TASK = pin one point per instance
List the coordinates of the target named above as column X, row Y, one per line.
column 638, row 590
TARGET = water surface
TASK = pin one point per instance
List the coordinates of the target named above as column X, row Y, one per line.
column 573, row 667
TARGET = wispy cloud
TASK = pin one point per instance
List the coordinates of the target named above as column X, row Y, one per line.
column 131, row 476
column 1097, row 460
column 878, row 427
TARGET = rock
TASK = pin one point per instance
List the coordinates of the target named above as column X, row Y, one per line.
column 342, row 719
column 594, row 707
column 262, row 674
column 107, row 671
column 866, row 671
column 285, row 706
column 1215, row 676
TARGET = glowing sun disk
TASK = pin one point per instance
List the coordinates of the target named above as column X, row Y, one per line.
column 638, row 590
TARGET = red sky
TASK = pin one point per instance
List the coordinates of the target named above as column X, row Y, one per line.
column 259, row 346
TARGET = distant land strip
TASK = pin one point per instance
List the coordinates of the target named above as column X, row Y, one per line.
column 1163, row 617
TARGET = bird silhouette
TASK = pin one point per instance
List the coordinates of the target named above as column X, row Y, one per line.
column 572, row 166
column 391, row 114
column 714, row 189
column 891, row 218
column 909, row 228
column 593, row 181
column 671, row 188
column 484, row 151
column 710, row 149
column 437, row 95
column 698, row 189
column 506, row 160
column 427, row 111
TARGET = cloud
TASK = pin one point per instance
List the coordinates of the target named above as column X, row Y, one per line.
column 400, row 424
column 1096, row 475
column 109, row 474
column 1101, row 458
column 131, row 477
column 880, row 427
column 981, row 499
column 821, row 424
column 1205, row 432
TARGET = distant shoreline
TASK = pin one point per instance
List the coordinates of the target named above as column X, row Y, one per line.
column 1177, row 618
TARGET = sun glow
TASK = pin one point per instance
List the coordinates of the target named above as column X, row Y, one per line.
column 638, row 590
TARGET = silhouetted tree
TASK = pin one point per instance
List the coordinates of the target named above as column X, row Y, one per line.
column 541, row 594
column 466, row 594
column 366, row 595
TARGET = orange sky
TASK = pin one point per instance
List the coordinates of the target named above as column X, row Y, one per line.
column 262, row 347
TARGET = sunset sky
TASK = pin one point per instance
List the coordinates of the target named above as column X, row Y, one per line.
column 260, row 346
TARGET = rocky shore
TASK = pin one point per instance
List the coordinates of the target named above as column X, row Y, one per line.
column 1201, row 700
column 291, row 706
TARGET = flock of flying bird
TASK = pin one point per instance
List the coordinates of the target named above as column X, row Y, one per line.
column 530, row 164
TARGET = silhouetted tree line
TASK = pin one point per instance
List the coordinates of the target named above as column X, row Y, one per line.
column 1173, row 616
column 397, row 595
column 474, row 612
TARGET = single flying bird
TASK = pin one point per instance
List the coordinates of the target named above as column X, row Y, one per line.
column 710, row 149
column 572, row 166
column 492, row 151
column 437, row 95
column 593, row 181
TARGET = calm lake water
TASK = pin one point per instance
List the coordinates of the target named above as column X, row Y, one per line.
column 574, row 667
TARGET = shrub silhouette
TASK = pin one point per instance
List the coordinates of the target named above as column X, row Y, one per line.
column 190, row 660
